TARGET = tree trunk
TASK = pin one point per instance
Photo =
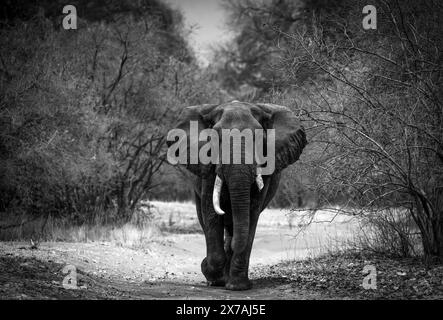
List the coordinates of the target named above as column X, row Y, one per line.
column 431, row 229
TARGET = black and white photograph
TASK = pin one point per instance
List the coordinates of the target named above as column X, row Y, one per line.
column 207, row 151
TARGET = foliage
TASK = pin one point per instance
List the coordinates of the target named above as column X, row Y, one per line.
column 84, row 113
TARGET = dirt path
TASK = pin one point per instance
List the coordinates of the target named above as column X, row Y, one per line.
column 166, row 269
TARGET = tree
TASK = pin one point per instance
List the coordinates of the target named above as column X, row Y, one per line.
column 378, row 113
column 85, row 114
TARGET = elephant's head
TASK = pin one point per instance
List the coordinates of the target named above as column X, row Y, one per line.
column 239, row 178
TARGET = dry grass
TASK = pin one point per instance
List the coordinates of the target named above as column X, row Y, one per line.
column 146, row 225
column 128, row 234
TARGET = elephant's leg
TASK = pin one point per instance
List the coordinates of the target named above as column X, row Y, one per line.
column 213, row 265
column 238, row 273
column 251, row 238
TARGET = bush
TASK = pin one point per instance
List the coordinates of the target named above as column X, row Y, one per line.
column 392, row 231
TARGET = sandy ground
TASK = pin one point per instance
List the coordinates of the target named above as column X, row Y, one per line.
column 165, row 268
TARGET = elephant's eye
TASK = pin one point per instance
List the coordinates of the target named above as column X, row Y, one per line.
column 208, row 122
column 211, row 119
column 261, row 116
column 257, row 114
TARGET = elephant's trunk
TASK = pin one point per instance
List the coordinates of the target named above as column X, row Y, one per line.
column 240, row 193
column 239, row 178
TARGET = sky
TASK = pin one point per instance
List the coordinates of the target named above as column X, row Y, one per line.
column 209, row 18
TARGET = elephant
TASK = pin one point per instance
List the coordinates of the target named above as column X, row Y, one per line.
column 229, row 197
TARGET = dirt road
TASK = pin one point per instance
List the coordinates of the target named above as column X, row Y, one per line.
column 167, row 267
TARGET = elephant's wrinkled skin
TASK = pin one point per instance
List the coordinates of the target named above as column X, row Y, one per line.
column 229, row 237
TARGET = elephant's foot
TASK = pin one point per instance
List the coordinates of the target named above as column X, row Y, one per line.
column 214, row 273
column 238, row 284
column 217, row 283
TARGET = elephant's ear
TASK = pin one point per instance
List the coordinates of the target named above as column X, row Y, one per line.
column 197, row 114
column 290, row 137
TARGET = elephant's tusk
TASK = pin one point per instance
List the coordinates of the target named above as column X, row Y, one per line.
column 259, row 182
column 216, row 195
